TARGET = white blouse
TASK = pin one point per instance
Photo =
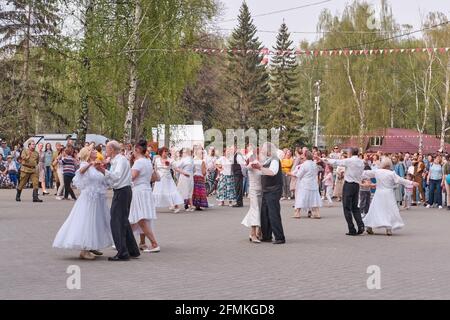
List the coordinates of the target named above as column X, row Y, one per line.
column 226, row 165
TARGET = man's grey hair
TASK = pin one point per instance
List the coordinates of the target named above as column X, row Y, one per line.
column 270, row 148
column 114, row 145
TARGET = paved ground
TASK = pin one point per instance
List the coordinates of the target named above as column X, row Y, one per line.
column 208, row 256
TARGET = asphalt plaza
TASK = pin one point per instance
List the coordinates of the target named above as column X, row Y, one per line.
column 207, row 255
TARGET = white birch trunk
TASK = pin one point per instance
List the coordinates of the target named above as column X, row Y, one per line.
column 133, row 74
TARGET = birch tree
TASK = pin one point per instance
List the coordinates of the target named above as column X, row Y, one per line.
column 134, row 45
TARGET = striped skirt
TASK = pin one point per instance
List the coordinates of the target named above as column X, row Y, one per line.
column 199, row 198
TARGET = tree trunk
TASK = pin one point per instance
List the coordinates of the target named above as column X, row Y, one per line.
column 83, row 118
column 360, row 104
column 133, row 74
column 420, row 141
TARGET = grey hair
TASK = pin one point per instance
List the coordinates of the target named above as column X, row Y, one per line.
column 308, row 155
column 271, row 149
column 386, row 163
column 114, row 145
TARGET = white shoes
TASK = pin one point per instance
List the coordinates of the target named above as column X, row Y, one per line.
column 177, row 210
column 153, row 250
column 428, row 206
column 440, row 207
column 58, row 198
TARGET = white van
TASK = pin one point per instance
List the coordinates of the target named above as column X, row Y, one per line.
column 54, row 138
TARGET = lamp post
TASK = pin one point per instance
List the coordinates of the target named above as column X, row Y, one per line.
column 317, row 108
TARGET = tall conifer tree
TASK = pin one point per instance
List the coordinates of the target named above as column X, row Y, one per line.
column 247, row 75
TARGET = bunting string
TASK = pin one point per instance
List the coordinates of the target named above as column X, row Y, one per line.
column 314, row 53
column 379, row 136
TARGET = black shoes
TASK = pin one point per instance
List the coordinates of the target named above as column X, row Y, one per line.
column 360, row 231
column 18, row 195
column 353, row 233
column 96, row 252
column 266, row 240
column 35, row 196
column 117, row 258
column 237, row 205
column 279, row 242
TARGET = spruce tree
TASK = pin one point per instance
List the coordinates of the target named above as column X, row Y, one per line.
column 247, row 76
column 284, row 111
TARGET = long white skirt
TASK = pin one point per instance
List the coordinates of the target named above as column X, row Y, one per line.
column 142, row 206
column 306, row 199
column 253, row 217
column 88, row 225
column 383, row 211
column 166, row 194
column 186, row 186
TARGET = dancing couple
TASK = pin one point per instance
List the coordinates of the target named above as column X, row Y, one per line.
column 383, row 211
column 90, row 226
column 266, row 186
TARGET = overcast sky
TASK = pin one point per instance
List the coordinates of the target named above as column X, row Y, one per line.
column 305, row 19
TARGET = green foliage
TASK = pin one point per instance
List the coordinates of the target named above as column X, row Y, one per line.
column 247, row 77
column 284, row 111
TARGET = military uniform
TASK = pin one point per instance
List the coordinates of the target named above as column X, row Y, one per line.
column 28, row 170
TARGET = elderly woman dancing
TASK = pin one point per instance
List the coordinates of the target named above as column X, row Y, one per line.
column 383, row 212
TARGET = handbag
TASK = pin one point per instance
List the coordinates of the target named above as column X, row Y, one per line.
column 155, row 177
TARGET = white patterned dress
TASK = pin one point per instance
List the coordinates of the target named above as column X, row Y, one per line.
column 88, row 225
column 165, row 191
column 383, row 211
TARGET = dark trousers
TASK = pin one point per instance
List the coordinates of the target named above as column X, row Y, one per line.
column 364, row 201
column 68, row 187
column 239, row 186
column 120, row 226
column 350, row 203
column 271, row 217
column 435, row 186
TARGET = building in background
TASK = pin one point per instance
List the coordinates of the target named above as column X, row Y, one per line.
column 392, row 140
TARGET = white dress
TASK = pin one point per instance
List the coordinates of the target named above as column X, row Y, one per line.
column 307, row 189
column 253, row 217
column 383, row 211
column 165, row 191
column 186, row 184
column 88, row 225
column 142, row 203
